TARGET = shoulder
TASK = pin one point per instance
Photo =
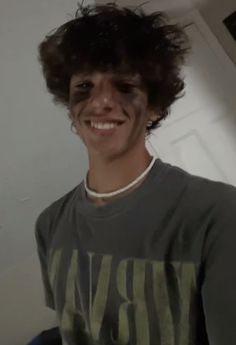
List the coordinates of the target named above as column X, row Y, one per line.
column 210, row 206
column 203, row 191
column 206, row 192
column 201, row 200
column 47, row 219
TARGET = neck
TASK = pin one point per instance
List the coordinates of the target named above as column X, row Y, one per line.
column 105, row 176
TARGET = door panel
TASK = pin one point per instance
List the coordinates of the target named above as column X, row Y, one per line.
column 200, row 133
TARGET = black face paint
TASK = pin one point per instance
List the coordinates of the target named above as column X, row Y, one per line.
column 78, row 97
column 80, row 94
column 128, row 92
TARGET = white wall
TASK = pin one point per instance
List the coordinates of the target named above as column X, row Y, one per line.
column 40, row 161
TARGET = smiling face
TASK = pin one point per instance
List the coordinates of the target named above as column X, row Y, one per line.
column 110, row 112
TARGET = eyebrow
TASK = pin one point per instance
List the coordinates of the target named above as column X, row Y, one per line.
column 78, row 78
column 136, row 79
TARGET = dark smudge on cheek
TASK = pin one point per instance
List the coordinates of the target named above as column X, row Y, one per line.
column 134, row 103
column 76, row 105
column 76, row 98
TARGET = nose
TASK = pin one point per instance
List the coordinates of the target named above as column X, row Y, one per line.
column 103, row 98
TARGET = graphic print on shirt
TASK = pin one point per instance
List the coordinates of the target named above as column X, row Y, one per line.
column 143, row 298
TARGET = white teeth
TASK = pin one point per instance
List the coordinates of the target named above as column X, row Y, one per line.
column 103, row 125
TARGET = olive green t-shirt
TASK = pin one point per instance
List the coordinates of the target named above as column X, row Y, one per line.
column 154, row 267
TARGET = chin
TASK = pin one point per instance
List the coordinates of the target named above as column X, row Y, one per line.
column 107, row 153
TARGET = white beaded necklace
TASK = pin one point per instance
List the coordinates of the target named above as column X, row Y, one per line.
column 110, row 194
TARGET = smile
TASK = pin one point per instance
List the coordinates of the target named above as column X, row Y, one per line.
column 105, row 125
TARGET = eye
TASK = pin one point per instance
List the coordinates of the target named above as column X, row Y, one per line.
column 84, row 86
column 125, row 87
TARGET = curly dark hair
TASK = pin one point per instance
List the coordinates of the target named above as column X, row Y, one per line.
column 105, row 37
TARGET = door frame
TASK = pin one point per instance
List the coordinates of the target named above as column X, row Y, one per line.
column 194, row 18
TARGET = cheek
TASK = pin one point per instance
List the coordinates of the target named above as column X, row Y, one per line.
column 75, row 112
column 135, row 107
column 78, row 97
column 76, row 104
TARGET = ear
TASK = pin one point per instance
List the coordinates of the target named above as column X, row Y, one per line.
column 153, row 116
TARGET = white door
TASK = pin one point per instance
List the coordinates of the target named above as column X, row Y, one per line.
column 200, row 133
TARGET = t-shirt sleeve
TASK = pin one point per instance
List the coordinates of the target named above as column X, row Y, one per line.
column 42, row 235
column 219, row 282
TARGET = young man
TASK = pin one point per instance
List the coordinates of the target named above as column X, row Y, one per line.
column 140, row 252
